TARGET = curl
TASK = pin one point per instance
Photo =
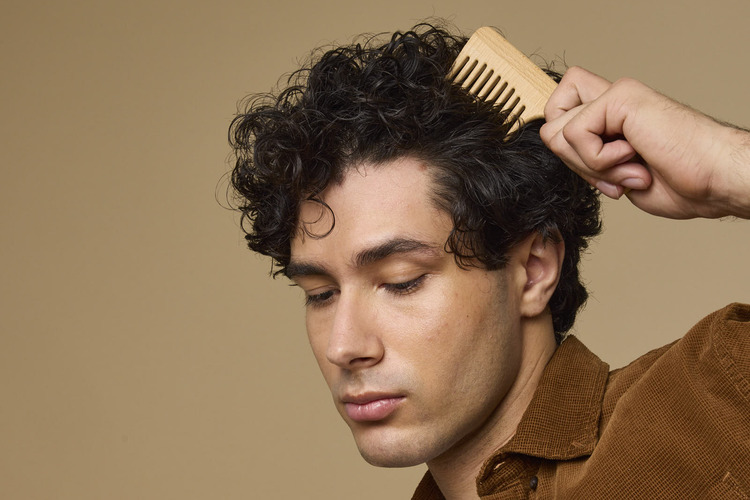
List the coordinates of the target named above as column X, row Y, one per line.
column 376, row 101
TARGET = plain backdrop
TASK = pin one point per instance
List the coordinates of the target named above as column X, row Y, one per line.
column 145, row 353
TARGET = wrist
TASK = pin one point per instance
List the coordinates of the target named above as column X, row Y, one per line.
column 732, row 189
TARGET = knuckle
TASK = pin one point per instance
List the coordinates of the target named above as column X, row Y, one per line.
column 546, row 133
column 572, row 133
column 627, row 84
column 549, row 109
column 575, row 71
column 571, row 75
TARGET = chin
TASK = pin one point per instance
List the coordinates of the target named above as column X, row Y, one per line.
column 405, row 451
column 390, row 458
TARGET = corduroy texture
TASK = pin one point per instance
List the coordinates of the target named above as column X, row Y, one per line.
column 675, row 423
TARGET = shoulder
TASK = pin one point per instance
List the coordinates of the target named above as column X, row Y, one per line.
column 721, row 343
column 712, row 358
column 681, row 413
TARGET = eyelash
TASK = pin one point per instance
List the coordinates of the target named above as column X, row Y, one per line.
column 406, row 287
column 403, row 288
column 318, row 299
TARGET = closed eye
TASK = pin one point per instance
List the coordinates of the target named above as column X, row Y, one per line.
column 402, row 288
column 318, row 299
column 405, row 287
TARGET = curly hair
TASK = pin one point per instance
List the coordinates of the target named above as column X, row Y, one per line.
column 380, row 100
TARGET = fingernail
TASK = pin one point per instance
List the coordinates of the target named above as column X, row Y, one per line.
column 633, row 183
column 609, row 189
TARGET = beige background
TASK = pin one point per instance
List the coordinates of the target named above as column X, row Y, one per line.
column 144, row 353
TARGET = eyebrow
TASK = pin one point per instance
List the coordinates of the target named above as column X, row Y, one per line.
column 365, row 257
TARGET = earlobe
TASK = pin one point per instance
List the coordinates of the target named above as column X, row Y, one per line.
column 543, row 261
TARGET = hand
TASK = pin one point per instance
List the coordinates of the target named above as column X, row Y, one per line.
column 625, row 138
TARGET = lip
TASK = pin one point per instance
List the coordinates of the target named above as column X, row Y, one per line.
column 371, row 407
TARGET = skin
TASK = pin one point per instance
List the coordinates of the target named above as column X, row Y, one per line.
column 390, row 316
column 626, row 138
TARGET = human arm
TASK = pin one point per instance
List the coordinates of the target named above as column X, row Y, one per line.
column 671, row 160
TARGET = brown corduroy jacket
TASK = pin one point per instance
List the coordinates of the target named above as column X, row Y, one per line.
column 673, row 424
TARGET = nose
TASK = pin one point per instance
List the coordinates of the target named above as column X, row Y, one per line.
column 354, row 340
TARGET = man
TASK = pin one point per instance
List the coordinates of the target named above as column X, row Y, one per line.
column 439, row 256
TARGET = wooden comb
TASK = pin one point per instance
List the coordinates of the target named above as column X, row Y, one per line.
column 493, row 70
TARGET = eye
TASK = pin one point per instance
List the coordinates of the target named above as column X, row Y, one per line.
column 318, row 299
column 405, row 287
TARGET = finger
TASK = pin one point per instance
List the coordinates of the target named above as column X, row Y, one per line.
column 552, row 127
column 619, row 167
column 586, row 133
column 601, row 156
column 578, row 86
column 659, row 200
column 556, row 142
column 611, row 190
column 560, row 146
column 630, row 175
column 614, row 181
column 561, row 139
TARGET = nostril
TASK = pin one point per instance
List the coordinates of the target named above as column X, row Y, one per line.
column 361, row 361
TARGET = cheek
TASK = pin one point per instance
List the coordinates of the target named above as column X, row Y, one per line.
column 416, row 330
column 469, row 333
column 456, row 318
column 439, row 335
column 318, row 342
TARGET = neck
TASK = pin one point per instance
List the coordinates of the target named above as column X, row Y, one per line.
column 455, row 471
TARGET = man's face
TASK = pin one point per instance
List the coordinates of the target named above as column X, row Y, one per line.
column 418, row 353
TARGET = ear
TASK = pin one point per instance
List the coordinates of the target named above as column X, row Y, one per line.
column 541, row 260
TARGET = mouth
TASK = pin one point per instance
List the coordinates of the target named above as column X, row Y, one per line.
column 371, row 407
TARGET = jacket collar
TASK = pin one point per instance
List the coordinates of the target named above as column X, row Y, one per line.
column 560, row 423
column 562, row 420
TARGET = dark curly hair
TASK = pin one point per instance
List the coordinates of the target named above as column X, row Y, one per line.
column 380, row 100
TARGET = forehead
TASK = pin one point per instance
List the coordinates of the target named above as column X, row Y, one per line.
column 374, row 202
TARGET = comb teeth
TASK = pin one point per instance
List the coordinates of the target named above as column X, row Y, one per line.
column 493, row 70
column 485, row 84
